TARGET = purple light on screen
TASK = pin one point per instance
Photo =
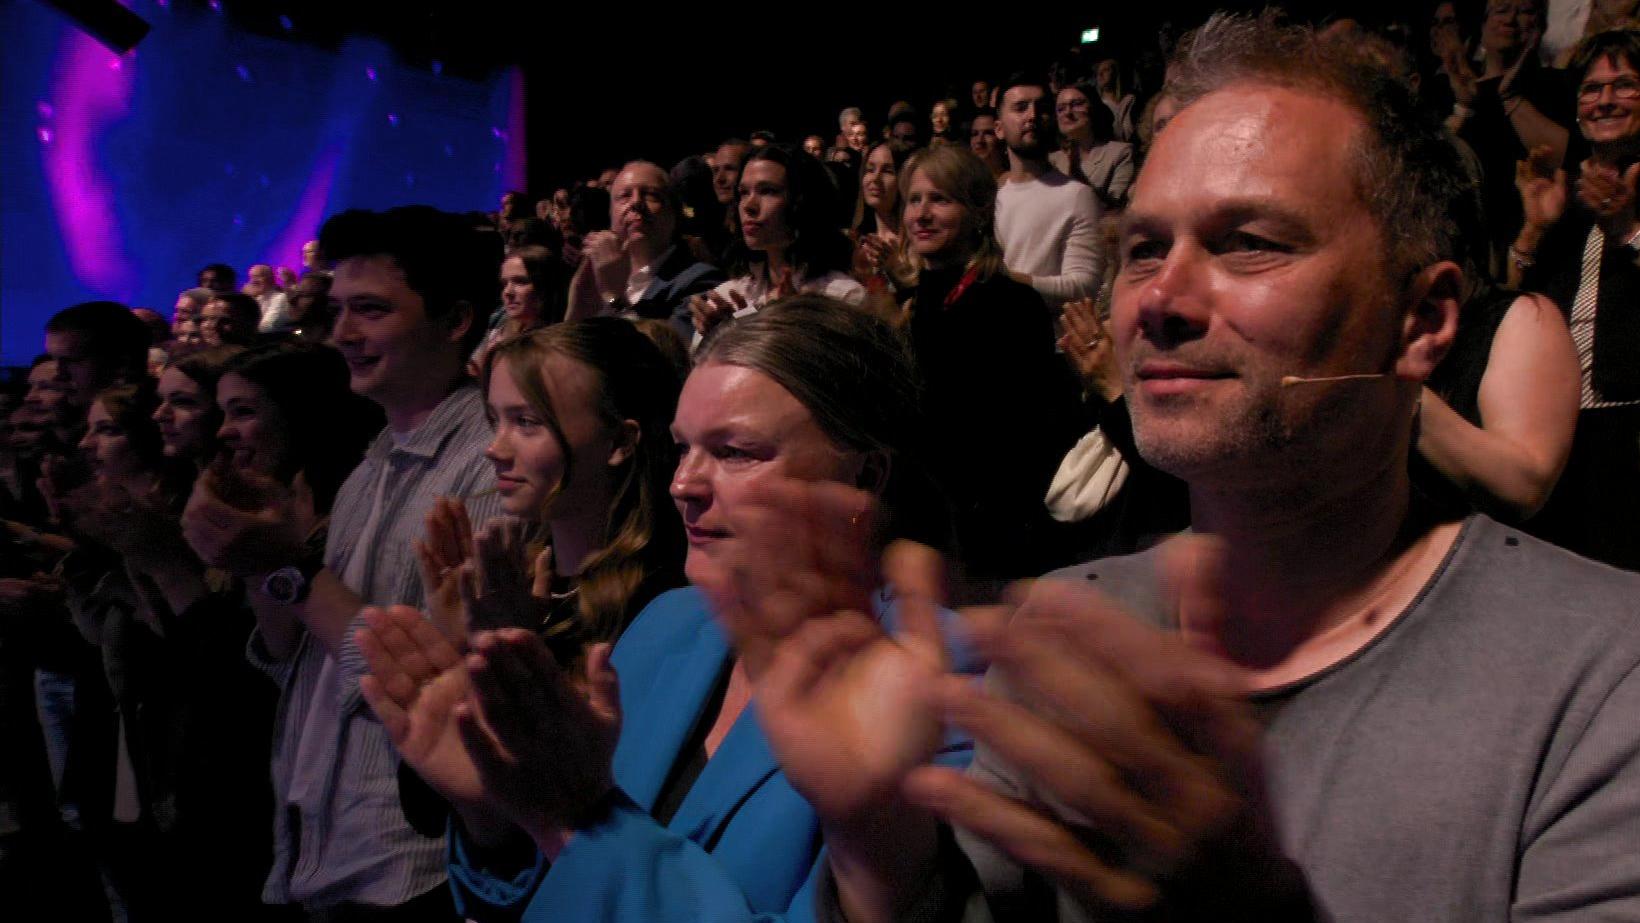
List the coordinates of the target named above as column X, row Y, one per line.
column 513, row 174
column 243, row 72
column 311, row 207
column 393, row 119
column 370, row 72
column 88, row 97
column 43, row 109
column 44, row 134
column 286, row 24
column 216, row 6
column 163, row 4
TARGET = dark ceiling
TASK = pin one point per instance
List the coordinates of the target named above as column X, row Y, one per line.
column 607, row 81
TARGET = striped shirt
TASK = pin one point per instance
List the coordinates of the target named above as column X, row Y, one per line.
column 339, row 831
column 1582, row 324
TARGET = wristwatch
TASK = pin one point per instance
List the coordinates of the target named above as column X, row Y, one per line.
column 291, row 584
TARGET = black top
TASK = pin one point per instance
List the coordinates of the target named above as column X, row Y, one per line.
column 1458, row 382
column 1492, row 136
column 1558, row 269
column 1003, row 409
column 692, row 758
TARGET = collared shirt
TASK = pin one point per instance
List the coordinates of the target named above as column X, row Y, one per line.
column 642, row 277
column 339, row 831
column 755, row 290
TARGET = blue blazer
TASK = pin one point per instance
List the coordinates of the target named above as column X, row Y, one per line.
column 743, row 846
column 676, row 281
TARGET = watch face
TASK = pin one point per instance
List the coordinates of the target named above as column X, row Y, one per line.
column 284, row 585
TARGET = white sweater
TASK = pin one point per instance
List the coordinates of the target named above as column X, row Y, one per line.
column 1049, row 230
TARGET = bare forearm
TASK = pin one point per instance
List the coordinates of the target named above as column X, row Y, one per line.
column 329, row 610
column 278, row 625
column 1497, row 473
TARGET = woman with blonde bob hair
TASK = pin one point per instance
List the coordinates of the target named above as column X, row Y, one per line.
column 985, row 346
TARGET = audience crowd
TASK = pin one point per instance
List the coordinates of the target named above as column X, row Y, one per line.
column 656, row 547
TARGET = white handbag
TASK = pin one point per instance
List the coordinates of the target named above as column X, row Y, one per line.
column 1092, row 472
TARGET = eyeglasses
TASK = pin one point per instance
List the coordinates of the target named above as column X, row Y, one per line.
column 1622, row 88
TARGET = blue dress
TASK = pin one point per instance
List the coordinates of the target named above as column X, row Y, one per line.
column 742, row 846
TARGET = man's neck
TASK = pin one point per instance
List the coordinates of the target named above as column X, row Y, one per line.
column 1313, row 574
column 640, row 253
column 406, row 415
column 1021, row 169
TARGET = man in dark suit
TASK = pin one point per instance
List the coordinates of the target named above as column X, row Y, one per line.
column 640, row 267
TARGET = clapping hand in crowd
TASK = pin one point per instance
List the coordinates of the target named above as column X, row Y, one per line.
column 1139, row 763
column 1542, row 186
column 542, row 737
column 1609, row 191
column 1086, row 341
column 711, row 309
column 244, row 522
column 606, row 259
column 476, row 582
column 504, row 731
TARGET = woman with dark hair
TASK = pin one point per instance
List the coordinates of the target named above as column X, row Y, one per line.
column 1090, row 151
column 534, row 293
column 877, row 215
column 985, row 346
column 288, row 414
column 786, row 239
column 167, row 777
column 672, row 806
column 1578, row 246
column 942, row 122
column 187, row 414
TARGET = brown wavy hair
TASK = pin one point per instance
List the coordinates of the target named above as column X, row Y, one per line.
column 641, row 550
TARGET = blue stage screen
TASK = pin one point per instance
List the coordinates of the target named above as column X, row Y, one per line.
column 123, row 175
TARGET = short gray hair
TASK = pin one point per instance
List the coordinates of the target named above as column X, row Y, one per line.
column 850, row 115
column 1408, row 172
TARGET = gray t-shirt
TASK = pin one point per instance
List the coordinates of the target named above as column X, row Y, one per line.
column 1479, row 760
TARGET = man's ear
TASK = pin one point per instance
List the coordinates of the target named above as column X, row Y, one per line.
column 458, row 321
column 1434, row 299
column 627, row 437
column 875, row 468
